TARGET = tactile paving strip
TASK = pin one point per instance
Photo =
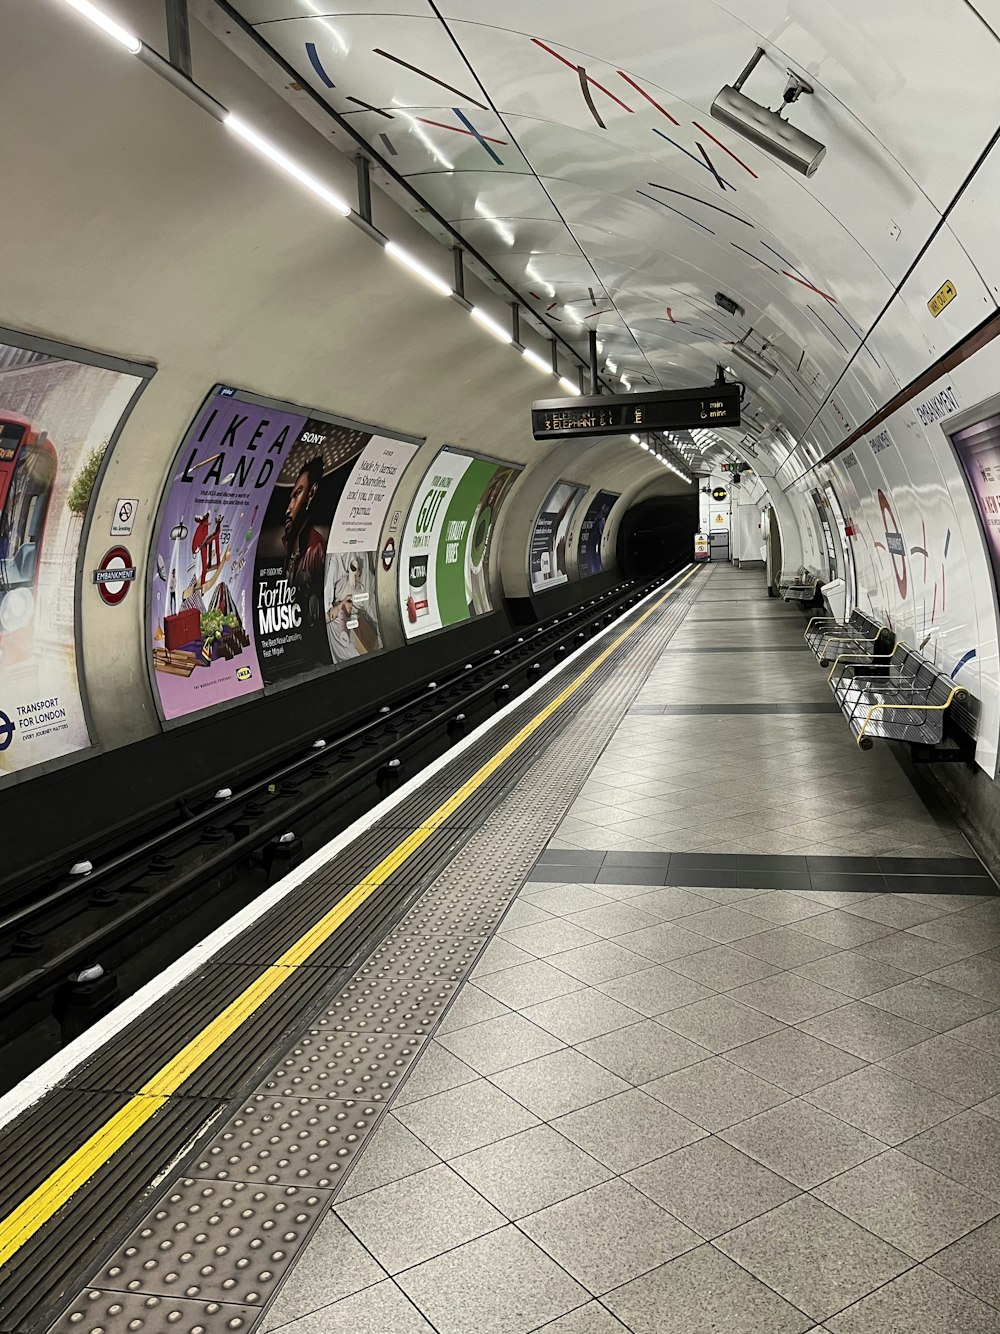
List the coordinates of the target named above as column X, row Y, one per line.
column 216, row 1242
column 97, row 1312
column 308, row 1121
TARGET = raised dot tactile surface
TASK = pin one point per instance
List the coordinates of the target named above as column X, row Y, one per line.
column 99, row 1312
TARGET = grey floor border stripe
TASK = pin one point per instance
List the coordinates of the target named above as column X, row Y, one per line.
column 685, row 710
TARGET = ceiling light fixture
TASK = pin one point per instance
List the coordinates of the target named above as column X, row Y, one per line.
column 107, row 24
column 488, row 322
column 281, row 159
column 568, row 386
column 764, row 127
column 419, row 268
column 529, row 354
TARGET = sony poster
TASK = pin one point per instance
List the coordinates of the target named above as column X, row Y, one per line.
column 444, row 570
column 350, row 595
column 57, row 418
column 592, row 533
column 548, row 538
column 978, row 449
column 203, row 605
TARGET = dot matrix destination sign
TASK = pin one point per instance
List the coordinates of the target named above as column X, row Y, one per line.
column 617, row 414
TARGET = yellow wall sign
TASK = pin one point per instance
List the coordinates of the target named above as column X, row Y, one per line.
column 944, row 295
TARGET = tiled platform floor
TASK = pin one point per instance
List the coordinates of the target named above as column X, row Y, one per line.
column 701, row 1109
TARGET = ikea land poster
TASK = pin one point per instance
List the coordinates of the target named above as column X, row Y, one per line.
column 444, row 570
column 589, row 559
column 978, row 449
column 57, row 417
column 547, row 556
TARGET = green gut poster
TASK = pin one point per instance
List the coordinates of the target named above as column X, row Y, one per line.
column 444, row 573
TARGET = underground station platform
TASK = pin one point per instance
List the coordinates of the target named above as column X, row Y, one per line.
column 657, row 1004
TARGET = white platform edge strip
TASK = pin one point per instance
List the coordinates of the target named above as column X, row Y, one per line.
column 33, row 1087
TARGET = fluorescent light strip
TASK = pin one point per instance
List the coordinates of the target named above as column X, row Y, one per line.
column 568, row 386
column 281, row 159
column 488, row 322
column 417, row 267
column 131, row 43
column 538, row 362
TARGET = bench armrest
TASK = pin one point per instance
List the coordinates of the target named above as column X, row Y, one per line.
column 957, row 692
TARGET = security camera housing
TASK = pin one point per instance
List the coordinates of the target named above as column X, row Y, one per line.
column 768, row 131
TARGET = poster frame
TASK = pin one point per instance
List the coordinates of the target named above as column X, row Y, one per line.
column 518, row 470
column 144, row 371
column 572, row 534
column 597, row 493
column 276, row 405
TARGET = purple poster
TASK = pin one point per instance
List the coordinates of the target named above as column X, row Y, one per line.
column 592, row 532
column 201, row 605
column 978, row 449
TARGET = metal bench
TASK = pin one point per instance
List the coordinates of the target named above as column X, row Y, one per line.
column 900, row 696
column 829, row 638
column 802, row 586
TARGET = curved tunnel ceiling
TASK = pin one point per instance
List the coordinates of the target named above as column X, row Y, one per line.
column 571, row 144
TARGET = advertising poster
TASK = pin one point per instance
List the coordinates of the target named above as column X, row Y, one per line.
column 548, row 537
column 57, row 418
column 978, row 449
column 350, row 601
column 444, row 567
column 592, row 532
column 203, row 605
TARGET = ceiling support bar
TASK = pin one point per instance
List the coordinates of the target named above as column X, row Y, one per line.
column 178, row 35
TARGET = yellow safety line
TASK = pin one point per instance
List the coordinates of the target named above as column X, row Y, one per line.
column 60, row 1186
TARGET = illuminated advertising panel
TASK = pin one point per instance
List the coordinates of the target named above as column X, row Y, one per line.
column 547, row 556
column 589, row 559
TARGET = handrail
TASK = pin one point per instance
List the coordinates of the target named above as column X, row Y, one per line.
column 956, row 692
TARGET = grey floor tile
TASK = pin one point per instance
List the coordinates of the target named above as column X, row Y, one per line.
column 990, row 1108
column 789, row 998
column 609, row 1235
column 711, row 1186
column 852, row 974
column 655, row 990
column 929, row 1003
column 726, row 924
column 375, row 1310
column 498, row 954
column 783, row 907
column 983, row 1034
column 628, row 1130
column 953, row 1068
column 335, row 1265
column 813, row 1256
column 802, row 1143
column 786, row 947
column 978, row 976
column 671, row 902
column 471, row 1006
column 473, row 1288
column 973, row 1263
column 499, row 1043
column 965, row 931
column 715, row 1094
column 719, row 1023
column 527, row 984
column 530, row 1171
column 966, row 1148
column 846, row 929
column 703, row 1292
column 409, row 1221
column 393, row 1152
column 522, row 913
column 896, row 911
column 600, row 962
column 911, row 953
column 865, row 1031
column 590, row 1319
column 464, row 1118
column 553, row 1085
column 582, row 1014
column 665, row 941
column 907, row 1204
column 883, row 1104
column 614, row 921
column 918, row 1301
column 436, row 1070
column 561, row 900
column 642, row 1052
column 551, row 936
column 723, row 969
